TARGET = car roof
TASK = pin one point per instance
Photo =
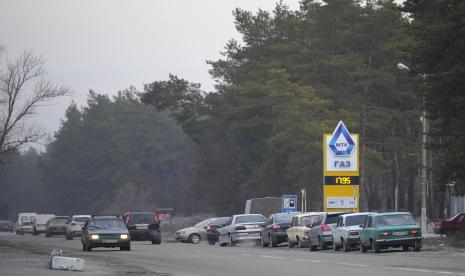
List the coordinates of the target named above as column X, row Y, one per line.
column 308, row 214
column 60, row 217
column 242, row 215
column 392, row 213
column 105, row 217
column 81, row 216
column 355, row 214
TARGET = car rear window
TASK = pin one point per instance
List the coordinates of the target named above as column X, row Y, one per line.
column 284, row 218
column 144, row 218
column 394, row 220
column 81, row 219
column 59, row 221
column 308, row 220
column 331, row 218
column 355, row 220
column 220, row 221
column 250, row 219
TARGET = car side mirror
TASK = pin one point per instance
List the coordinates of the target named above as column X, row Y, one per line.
column 309, row 225
column 362, row 226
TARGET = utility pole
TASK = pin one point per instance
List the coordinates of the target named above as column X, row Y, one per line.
column 424, row 177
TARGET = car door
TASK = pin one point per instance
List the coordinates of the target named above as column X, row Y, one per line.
column 291, row 230
column 267, row 229
column 337, row 231
column 460, row 222
column 366, row 231
column 223, row 231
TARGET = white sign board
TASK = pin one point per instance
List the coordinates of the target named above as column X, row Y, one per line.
column 341, row 151
column 341, row 202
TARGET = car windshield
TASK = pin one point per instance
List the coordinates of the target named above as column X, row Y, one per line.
column 59, row 221
column 204, row 222
column 107, row 224
column 284, row 217
column 81, row 219
column 394, row 220
column 355, row 220
column 250, row 219
column 142, row 218
column 308, row 220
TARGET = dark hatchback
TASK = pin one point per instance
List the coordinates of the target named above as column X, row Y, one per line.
column 56, row 226
column 212, row 229
column 274, row 230
column 143, row 226
column 105, row 231
column 6, row 226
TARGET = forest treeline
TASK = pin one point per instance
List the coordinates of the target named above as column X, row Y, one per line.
column 295, row 74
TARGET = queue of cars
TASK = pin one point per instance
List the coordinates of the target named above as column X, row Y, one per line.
column 95, row 231
column 315, row 230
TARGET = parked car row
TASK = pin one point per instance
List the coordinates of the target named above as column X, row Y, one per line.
column 315, row 230
column 95, row 231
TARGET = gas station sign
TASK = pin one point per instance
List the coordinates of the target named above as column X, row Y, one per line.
column 341, row 170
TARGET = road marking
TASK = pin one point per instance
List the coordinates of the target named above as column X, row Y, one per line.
column 246, row 255
column 349, row 264
column 271, row 257
column 428, row 270
column 306, row 260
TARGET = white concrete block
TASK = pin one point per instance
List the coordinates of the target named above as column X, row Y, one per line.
column 67, row 263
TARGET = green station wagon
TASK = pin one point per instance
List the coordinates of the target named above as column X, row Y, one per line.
column 383, row 230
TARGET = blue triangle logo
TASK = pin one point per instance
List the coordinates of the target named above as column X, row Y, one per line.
column 341, row 144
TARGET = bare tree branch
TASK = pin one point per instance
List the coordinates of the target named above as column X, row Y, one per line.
column 23, row 87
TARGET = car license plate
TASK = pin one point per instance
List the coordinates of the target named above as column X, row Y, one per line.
column 109, row 241
column 401, row 233
column 142, row 227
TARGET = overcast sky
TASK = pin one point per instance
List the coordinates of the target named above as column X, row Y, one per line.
column 108, row 45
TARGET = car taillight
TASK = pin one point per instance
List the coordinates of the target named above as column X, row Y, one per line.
column 384, row 234
column 276, row 226
column 240, row 228
column 155, row 219
column 325, row 227
column 414, row 232
column 208, row 227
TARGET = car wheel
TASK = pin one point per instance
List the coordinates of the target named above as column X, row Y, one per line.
column 274, row 243
column 405, row 247
column 363, row 249
column 194, row 238
column 322, row 244
column 345, row 245
column 335, row 246
column 311, row 247
column 211, row 242
column 263, row 243
column 290, row 244
column 300, row 243
column 417, row 246
column 375, row 246
column 69, row 237
column 88, row 247
column 47, row 235
column 125, row 248
column 231, row 242
column 84, row 247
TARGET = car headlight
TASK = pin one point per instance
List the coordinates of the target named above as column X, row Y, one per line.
column 124, row 237
column 94, row 237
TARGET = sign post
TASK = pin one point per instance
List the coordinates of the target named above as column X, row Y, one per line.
column 341, row 190
column 289, row 203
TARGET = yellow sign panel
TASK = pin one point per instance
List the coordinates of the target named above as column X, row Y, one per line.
column 341, row 190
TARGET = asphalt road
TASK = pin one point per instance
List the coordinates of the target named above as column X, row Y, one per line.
column 28, row 255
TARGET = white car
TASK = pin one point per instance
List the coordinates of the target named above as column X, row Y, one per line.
column 74, row 227
column 39, row 223
column 24, row 223
column 346, row 234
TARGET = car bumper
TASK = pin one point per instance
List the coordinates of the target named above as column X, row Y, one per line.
column 56, row 231
column 353, row 240
column 246, row 236
column 180, row 237
column 102, row 243
column 144, row 235
column 213, row 236
column 327, row 239
column 280, row 236
column 399, row 242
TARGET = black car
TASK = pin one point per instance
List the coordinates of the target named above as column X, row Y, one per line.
column 274, row 230
column 212, row 229
column 143, row 226
column 105, row 231
column 6, row 226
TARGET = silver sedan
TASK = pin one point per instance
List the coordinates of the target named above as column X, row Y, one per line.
column 245, row 227
column 193, row 234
